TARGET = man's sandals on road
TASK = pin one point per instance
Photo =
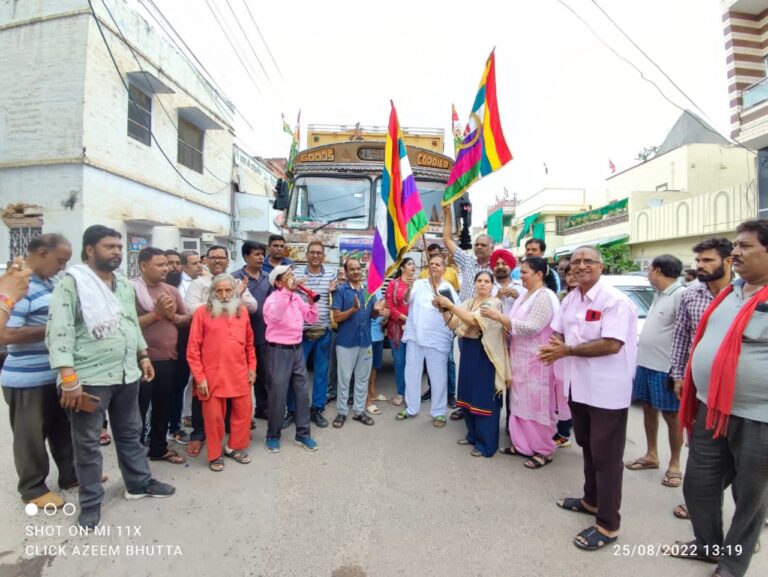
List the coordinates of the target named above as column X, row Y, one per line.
column 194, row 448
column 239, row 455
column 537, row 461
column 170, row 456
column 592, row 539
column 641, row 463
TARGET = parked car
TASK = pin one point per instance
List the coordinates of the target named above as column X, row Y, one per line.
column 639, row 291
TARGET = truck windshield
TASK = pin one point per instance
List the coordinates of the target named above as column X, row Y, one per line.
column 319, row 199
column 431, row 194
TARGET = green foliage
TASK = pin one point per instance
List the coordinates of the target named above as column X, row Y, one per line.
column 617, row 259
column 646, row 153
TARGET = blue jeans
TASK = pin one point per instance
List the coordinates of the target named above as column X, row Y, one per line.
column 398, row 357
column 322, row 350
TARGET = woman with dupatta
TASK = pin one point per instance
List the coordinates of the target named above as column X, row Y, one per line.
column 398, row 307
column 484, row 365
column 533, row 393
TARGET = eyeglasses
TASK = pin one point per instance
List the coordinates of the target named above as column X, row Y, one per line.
column 217, row 258
column 315, row 253
column 585, row 262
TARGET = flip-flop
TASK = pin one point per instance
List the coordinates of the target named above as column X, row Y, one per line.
column 170, row 456
column 194, row 448
column 672, row 479
column 373, row 409
column 573, row 504
column 639, row 464
column 681, row 512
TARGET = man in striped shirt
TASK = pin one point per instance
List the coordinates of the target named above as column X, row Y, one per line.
column 321, row 280
column 29, row 384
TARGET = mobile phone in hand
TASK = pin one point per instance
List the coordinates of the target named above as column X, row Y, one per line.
column 87, row 403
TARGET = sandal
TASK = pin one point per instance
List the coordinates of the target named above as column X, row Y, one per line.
column 239, row 455
column 373, row 409
column 364, row 419
column 438, row 422
column 537, row 461
column 381, row 398
column 592, row 539
column 216, row 465
column 641, row 463
column 509, row 451
column 104, row 439
column 681, row 512
column 402, row 415
column 194, row 448
column 338, row 422
column 573, row 504
column 398, row 400
column 672, row 479
column 170, row 456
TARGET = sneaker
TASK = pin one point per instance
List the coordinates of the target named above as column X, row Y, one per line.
column 562, row 442
column 288, row 421
column 89, row 517
column 153, row 488
column 306, row 441
column 452, row 401
column 180, row 437
column 316, row 416
column 273, row 445
column 49, row 498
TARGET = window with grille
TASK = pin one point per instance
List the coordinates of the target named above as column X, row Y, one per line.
column 139, row 116
column 190, row 145
column 20, row 237
column 560, row 224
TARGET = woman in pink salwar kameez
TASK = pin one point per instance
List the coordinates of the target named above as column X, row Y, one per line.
column 533, row 393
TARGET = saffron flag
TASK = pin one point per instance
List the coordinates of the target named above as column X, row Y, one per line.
column 400, row 219
column 483, row 148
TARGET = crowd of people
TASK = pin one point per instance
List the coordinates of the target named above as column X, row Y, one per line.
column 187, row 354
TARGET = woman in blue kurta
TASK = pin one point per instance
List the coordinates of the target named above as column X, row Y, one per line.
column 484, row 364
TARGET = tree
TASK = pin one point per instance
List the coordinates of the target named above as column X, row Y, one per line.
column 647, row 153
column 617, row 259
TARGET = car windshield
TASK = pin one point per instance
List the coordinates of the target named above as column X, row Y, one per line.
column 642, row 296
column 320, row 199
column 431, row 194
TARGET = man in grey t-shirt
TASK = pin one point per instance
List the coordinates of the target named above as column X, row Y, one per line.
column 739, row 455
column 652, row 384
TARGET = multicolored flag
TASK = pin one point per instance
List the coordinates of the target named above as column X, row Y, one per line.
column 400, row 219
column 458, row 133
column 294, row 144
column 483, row 149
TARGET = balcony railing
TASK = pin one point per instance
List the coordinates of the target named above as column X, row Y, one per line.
column 755, row 94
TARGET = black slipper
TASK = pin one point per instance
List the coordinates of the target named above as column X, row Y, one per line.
column 509, row 451
column 573, row 504
column 593, row 538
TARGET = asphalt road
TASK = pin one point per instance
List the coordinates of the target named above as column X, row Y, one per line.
column 398, row 498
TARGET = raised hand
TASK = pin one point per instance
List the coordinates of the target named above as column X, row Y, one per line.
column 241, row 286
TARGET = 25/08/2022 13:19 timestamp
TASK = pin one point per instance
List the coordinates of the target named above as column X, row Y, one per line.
column 687, row 550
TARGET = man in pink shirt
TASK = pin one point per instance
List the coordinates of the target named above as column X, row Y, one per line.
column 597, row 335
column 285, row 314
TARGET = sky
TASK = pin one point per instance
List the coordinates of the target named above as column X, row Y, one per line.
column 565, row 99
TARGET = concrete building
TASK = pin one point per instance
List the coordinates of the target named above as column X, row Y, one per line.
column 697, row 185
column 120, row 130
column 746, row 47
column 545, row 215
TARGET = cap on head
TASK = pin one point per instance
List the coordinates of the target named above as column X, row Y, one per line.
column 277, row 271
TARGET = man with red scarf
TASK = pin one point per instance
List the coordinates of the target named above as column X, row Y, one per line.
column 724, row 408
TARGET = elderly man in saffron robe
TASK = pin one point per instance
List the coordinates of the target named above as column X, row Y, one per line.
column 222, row 360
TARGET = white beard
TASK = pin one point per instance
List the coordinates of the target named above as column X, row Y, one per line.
column 228, row 308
